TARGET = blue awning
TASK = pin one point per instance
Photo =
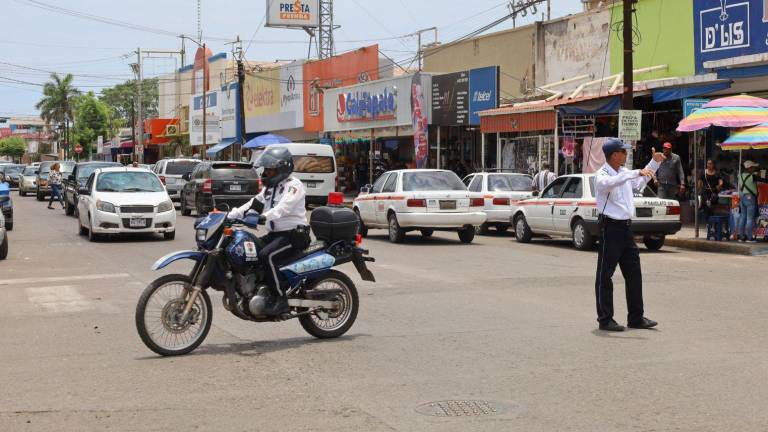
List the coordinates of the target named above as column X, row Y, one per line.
column 743, row 72
column 676, row 93
column 226, row 142
column 608, row 105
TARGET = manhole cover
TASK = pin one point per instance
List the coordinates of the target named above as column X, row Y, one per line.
column 462, row 408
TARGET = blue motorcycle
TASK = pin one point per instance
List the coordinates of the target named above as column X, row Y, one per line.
column 174, row 312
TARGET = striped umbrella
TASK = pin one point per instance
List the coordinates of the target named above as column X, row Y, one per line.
column 731, row 112
column 755, row 137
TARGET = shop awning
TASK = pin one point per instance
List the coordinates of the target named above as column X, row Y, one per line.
column 676, row 93
column 596, row 106
column 226, row 142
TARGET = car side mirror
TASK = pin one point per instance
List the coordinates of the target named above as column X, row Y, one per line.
column 535, row 193
column 83, row 191
column 187, row 176
column 366, row 189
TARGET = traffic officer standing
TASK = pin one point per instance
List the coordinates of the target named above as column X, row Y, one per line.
column 615, row 202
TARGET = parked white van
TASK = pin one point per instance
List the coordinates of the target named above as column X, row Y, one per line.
column 314, row 165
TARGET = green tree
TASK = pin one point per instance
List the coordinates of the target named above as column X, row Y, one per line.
column 56, row 105
column 13, row 146
column 92, row 118
column 121, row 99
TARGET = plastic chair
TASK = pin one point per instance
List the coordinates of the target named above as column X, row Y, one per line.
column 717, row 226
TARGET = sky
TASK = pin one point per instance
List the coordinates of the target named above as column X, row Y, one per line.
column 43, row 36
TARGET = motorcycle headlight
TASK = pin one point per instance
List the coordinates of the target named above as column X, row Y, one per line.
column 105, row 206
column 201, row 234
column 165, row 206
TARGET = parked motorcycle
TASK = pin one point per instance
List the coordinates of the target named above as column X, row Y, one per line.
column 174, row 312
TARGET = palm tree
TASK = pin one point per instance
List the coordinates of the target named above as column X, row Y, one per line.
column 56, row 105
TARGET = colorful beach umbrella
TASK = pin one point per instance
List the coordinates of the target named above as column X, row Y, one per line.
column 755, row 137
column 731, row 112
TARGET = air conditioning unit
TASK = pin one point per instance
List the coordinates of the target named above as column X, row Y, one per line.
column 171, row 130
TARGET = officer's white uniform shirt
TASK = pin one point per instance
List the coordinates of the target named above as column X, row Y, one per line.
column 284, row 205
column 614, row 190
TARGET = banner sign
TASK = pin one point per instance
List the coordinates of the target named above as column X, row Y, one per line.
column 726, row 29
column 297, row 13
column 458, row 97
column 630, row 125
column 420, row 122
column 365, row 106
column 212, row 119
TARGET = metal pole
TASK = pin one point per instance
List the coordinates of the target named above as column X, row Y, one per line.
column 557, row 143
column 241, row 102
column 370, row 157
column 540, row 145
column 498, row 150
column 205, row 117
column 439, row 160
column 140, row 138
column 696, row 183
column 482, row 151
column 627, row 102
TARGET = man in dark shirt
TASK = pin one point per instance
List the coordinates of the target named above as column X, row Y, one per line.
column 670, row 175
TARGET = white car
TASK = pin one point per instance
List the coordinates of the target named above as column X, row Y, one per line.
column 123, row 200
column 567, row 208
column 425, row 200
column 501, row 190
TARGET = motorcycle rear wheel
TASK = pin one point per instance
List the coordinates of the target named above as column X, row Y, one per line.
column 339, row 321
column 158, row 313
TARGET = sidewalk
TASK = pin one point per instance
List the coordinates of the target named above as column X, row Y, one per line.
column 685, row 239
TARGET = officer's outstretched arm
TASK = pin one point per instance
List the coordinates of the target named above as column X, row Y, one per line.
column 607, row 183
column 641, row 181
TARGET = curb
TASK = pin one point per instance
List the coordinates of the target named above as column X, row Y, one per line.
column 702, row 245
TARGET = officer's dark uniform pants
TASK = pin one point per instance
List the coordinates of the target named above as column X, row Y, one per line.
column 277, row 248
column 617, row 246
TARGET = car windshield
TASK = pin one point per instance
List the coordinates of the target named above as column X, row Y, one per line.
column 432, row 181
column 30, row 171
column 229, row 171
column 180, row 167
column 85, row 171
column 130, row 181
column 647, row 192
column 509, row 183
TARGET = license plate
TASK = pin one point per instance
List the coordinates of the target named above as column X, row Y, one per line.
column 137, row 223
column 447, row 205
column 644, row 212
column 235, row 188
column 311, row 185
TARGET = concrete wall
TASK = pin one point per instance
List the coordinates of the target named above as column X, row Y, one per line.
column 574, row 45
column 512, row 50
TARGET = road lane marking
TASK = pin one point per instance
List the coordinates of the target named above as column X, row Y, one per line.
column 63, row 278
column 59, row 299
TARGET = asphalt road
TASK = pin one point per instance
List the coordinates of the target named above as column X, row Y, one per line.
column 494, row 321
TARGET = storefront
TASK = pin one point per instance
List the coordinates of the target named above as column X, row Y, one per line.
column 372, row 127
column 457, row 98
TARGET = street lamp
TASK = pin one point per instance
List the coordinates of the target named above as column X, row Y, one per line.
column 205, row 95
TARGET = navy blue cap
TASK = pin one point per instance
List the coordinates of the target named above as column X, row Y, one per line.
column 613, row 145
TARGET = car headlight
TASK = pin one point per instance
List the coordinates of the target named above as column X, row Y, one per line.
column 201, row 234
column 165, row 206
column 105, row 206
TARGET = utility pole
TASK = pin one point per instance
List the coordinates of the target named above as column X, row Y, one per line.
column 419, row 51
column 325, row 44
column 205, row 102
column 241, row 105
column 139, row 148
column 629, row 85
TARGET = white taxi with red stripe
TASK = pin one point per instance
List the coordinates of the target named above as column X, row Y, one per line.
column 567, row 208
column 500, row 191
column 424, row 200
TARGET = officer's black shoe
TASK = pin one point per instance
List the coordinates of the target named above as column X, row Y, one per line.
column 611, row 326
column 644, row 323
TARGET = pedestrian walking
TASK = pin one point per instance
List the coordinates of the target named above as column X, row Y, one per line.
column 614, row 186
column 670, row 175
column 54, row 179
column 543, row 178
column 710, row 184
column 748, row 201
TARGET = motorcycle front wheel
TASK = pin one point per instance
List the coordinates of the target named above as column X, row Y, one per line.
column 334, row 286
column 159, row 311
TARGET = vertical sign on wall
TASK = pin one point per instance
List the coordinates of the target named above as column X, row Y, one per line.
column 419, row 120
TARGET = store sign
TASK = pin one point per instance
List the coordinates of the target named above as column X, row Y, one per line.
column 274, row 99
column 691, row 105
column 229, row 112
column 298, row 13
column 458, row 97
column 212, row 119
column 630, row 125
column 729, row 28
column 366, row 106
column 419, row 122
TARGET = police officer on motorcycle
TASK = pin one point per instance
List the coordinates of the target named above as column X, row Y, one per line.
column 282, row 208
